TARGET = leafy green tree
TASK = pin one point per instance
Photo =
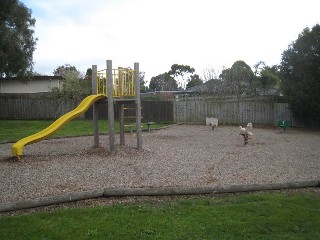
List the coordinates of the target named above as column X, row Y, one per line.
column 225, row 74
column 143, row 87
column 241, row 73
column 269, row 78
column 238, row 79
column 194, row 81
column 300, row 69
column 73, row 86
column 258, row 67
column 266, row 77
column 163, row 82
column 61, row 70
column 88, row 75
column 17, row 43
column 181, row 73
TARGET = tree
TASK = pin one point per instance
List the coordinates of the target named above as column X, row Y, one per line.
column 209, row 74
column 61, row 70
column 194, row 81
column 163, row 82
column 17, row 43
column 300, row 70
column 73, row 85
column 88, row 75
column 179, row 72
column 268, row 77
column 143, row 87
column 241, row 73
column 258, row 67
column 238, row 79
column 225, row 74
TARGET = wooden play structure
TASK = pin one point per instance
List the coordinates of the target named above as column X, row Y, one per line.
column 120, row 86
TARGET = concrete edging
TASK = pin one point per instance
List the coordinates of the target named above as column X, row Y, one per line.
column 168, row 191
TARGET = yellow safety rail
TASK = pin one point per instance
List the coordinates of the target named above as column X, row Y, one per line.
column 123, row 82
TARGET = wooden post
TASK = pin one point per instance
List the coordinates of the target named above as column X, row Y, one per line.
column 121, row 117
column 138, row 105
column 120, row 81
column 94, row 107
column 110, row 106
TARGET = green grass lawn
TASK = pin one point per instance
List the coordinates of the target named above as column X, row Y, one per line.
column 276, row 215
column 13, row 130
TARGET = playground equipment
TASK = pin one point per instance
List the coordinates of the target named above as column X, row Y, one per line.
column 213, row 122
column 56, row 125
column 118, row 86
column 283, row 124
column 246, row 133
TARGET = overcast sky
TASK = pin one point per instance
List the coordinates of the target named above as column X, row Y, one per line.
column 159, row 33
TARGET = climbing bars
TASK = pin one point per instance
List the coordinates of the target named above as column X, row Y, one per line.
column 123, row 82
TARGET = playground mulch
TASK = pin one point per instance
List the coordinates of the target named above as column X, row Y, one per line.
column 178, row 156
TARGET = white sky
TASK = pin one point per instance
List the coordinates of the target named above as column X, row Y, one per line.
column 159, row 33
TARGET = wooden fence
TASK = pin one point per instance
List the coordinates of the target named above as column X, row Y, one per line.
column 236, row 110
column 159, row 111
column 42, row 106
column 33, row 106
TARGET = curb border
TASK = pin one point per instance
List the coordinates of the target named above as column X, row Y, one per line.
column 166, row 191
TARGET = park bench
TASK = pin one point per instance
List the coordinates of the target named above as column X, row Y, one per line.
column 131, row 127
column 283, row 124
column 149, row 125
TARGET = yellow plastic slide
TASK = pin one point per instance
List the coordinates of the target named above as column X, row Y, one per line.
column 56, row 125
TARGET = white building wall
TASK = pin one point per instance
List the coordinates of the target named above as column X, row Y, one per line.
column 29, row 86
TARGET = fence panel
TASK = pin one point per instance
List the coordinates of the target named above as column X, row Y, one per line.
column 239, row 110
column 159, row 111
column 42, row 106
column 33, row 106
